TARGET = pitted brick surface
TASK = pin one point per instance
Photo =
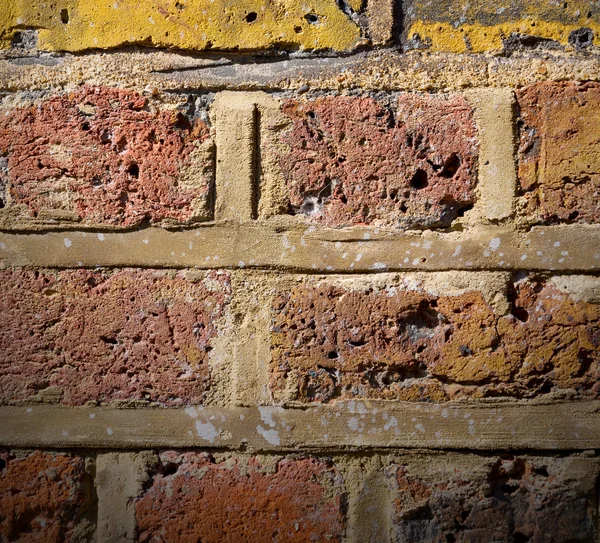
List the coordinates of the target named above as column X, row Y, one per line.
column 333, row 342
column 105, row 156
column 559, row 155
column 355, row 160
column 506, row 499
column 43, row 497
column 86, row 335
column 195, row 498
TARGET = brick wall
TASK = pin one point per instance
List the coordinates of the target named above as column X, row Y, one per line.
column 278, row 271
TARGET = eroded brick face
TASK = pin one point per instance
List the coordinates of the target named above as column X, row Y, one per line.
column 407, row 162
column 559, row 156
column 100, row 336
column 331, row 342
column 507, row 499
column 104, row 156
column 195, row 498
column 44, row 497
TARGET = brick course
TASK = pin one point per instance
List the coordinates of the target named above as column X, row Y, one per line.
column 79, row 336
column 352, row 160
column 332, row 342
column 44, row 497
column 104, row 156
column 559, row 159
column 194, row 497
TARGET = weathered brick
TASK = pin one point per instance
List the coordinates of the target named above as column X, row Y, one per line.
column 408, row 161
column 478, row 25
column 99, row 336
column 104, row 156
column 76, row 25
column 559, row 157
column 44, row 497
column 332, row 341
column 193, row 498
column 461, row 498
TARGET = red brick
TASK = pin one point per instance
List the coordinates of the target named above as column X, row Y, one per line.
column 335, row 342
column 507, row 499
column 44, row 497
column 405, row 162
column 101, row 336
column 195, row 498
column 559, row 156
column 105, row 155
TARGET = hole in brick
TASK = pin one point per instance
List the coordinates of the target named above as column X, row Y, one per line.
column 465, row 351
column 541, row 471
column 1, row 203
column 581, row 38
column 359, row 343
column 169, row 469
column 461, row 212
column 521, row 314
column 64, row 16
column 2, row 464
column 312, row 18
column 573, row 215
column 403, row 208
column 109, row 340
column 419, row 180
column 450, row 538
column 520, row 537
column 85, row 126
column 298, row 29
column 105, row 136
column 451, row 166
column 509, row 489
column 251, row 17
column 332, row 355
column 311, row 114
column 134, row 170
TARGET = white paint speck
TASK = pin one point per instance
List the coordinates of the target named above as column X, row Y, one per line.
column 92, row 416
column 68, row 242
column 191, row 412
column 379, row 266
column 109, row 431
column 494, row 244
column 29, row 410
column 2, row 246
column 146, row 241
column 523, row 257
column 206, row 431
column 557, row 244
column 420, row 427
column 65, row 433
column 101, row 237
column 271, row 436
column 457, row 250
column 353, row 424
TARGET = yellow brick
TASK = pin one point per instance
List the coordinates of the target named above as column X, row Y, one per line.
column 478, row 38
column 75, row 25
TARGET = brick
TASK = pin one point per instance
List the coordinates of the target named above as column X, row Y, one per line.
column 478, row 26
column 333, row 341
column 193, row 498
column 406, row 161
column 559, row 158
column 182, row 24
column 79, row 336
column 105, row 156
column 44, row 497
column 504, row 499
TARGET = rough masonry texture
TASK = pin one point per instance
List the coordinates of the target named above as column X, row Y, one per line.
column 397, row 342
column 290, row 271
column 104, row 156
column 241, row 499
column 506, row 499
column 79, row 336
column 559, row 158
column 44, row 496
column 355, row 160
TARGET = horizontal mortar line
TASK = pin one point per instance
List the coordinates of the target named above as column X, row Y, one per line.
column 567, row 248
column 477, row 425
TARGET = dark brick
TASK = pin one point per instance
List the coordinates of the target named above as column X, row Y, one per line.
column 44, row 497
column 352, row 160
column 336, row 342
column 105, row 156
column 195, row 498
column 559, row 156
column 101, row 336
column 504, row 499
